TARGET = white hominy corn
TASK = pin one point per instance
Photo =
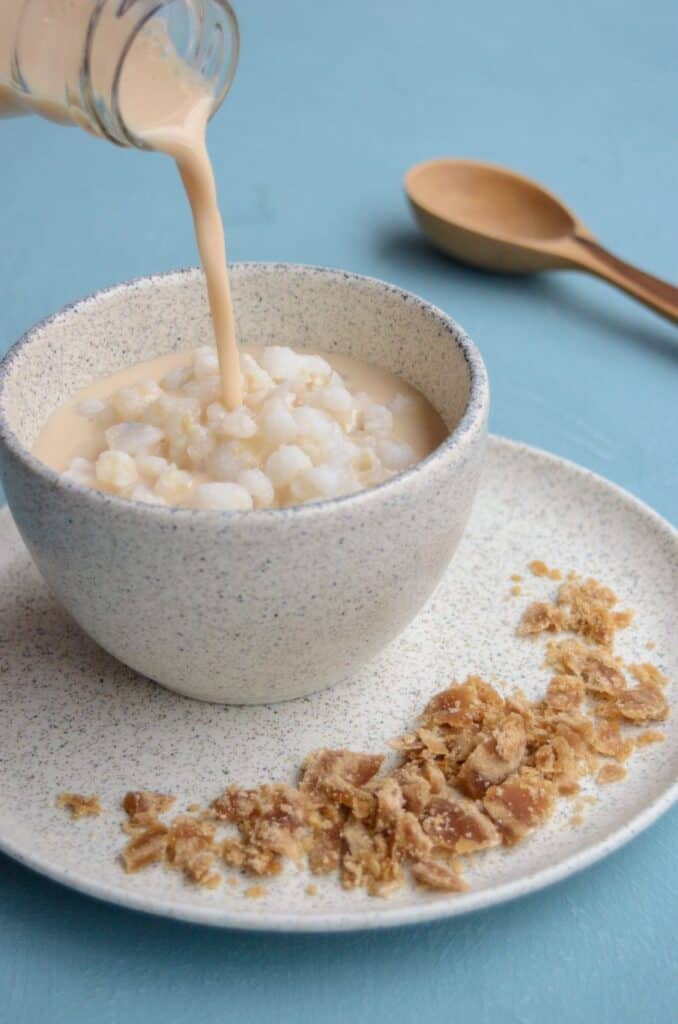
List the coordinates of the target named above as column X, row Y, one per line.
column 259, row 486
column 334, row 398
column 151, row 466
column 224, row 497
column 176, row 378
column 283, row 465
column 175, row 486
column 205, row 390
column 116, row 470
column 280, row 362
column 92, row 409
column 205, row 363
column 327, row 480
column 400, row 404
column 277, row 424
column 225, row 464
column 141, row 492
column 134, row 438
column 378, row 419
column 315, row 367
column 130, row 403
column 395, row 454
column 236, row 424
column 315, row 424
column 200, row 445
column 256, row 378
column 81, row 471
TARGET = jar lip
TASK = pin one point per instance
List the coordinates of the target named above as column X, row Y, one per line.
column 121, row 133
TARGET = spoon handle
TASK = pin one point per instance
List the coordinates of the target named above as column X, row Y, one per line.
column 659, row 295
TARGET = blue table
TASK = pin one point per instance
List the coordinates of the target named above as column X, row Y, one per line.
column 332, row 103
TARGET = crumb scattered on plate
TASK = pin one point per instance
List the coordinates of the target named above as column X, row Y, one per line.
column 611, row 773
column 539, row 568
column 80, row 806
column 650, row 736
column 255, row 892
column 480, row 769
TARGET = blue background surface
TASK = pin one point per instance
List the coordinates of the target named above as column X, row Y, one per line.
column 332, row 103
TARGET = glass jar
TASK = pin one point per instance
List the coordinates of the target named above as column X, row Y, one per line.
column 65, row 59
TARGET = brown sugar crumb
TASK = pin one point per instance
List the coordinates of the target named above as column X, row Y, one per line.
column 539, row 568
column 650, row 736
column 516, row 591
column 438, row 876
column 590, row 612
column 338, row 776
column 542, row 617
column 647, row 673
column 557, row 762
column 584, row 607
column 149, row 847
column 608, row 740
column 520, row 804
column 476, row 771
column 611, row 773
column 311, row 890
column 579, row 809
column 80, row 806
column 644, row 702
column 271, row 823
column 516, row 578
column 650, row 645
column 324, row 853
column 143, row 808
column 597, row 667
column 565, row 693
column 459, row 825
column 623, row 619
column 191, row 848
column 493, row 759
column 255, row 892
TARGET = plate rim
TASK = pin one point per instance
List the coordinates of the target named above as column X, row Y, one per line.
column 385, row 916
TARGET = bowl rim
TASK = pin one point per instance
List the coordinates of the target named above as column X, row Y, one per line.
column 471, row 422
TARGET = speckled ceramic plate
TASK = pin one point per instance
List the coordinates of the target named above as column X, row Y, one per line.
column 71, row 718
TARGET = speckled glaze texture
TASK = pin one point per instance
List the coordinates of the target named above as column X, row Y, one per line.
column 260, row 606
column 74, row 718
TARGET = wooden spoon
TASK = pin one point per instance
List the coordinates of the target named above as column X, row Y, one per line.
column 499, row 220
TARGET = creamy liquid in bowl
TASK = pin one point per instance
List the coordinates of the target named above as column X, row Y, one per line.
column 311, row 427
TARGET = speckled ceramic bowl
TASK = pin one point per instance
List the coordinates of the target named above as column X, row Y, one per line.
column 245, row 607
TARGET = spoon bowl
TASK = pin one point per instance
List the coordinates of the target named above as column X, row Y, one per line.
column 494, row 218
column 485, row 216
